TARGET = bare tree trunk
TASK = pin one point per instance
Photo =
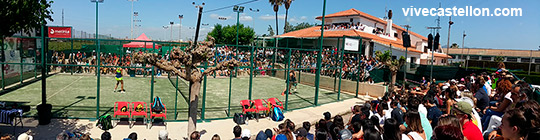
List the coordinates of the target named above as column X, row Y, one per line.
column 194, row 88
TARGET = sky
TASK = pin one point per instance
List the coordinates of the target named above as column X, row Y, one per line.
column 512, row 32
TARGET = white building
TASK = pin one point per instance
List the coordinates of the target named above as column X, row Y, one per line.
column 377, row 35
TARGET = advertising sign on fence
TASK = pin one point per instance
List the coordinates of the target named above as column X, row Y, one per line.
column 351, row 44
column 59, row 32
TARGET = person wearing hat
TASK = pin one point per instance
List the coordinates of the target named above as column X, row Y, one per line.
column 246, row 134
column 163, row 135
column 301, row 134
column 463, row 111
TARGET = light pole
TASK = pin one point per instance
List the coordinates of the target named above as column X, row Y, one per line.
column 463, row 44
column 172, row 23
column 98, row 56
column 200, row 7
column 406, row 52
column 165, row 27
column 132, row 15
column 180, row 28
column 448, row 42
column 238, row 10
column 255, row 11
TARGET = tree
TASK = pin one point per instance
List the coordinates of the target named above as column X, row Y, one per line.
column 23, row 15
column 288, row 27
column 303, row 25
column 184, row 64
column 498, row 58
column 454, row 45
column 270, row 31
column 299, row 26
column 276, row 4
column 287, row 5
column 227, row 34
column 393, row 65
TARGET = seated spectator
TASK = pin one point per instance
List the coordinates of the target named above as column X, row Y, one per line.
column 132, row 136
column 261, row 136
column 372, row 134
column 433, row 112
column 195, row 135
column 106, row 136
column 414, row 130
column 391, row 130
column 306, row 125
column 514, row 125
column 246, row 134
column 237, row 131
column 163, row 135
column 449, row 120
column 463, row 112
column 301, row 134
column 321, row 130
column 501, row 108
column 216, row 137
column 447, row 132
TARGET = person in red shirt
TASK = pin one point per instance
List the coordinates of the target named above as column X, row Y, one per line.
column 463, row 111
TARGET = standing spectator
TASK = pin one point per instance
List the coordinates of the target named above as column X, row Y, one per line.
column 481, row 94
column 132, row 136
column 463, row 111
column 397, row 113
column 216, row 137
column 246, row 134
column 414, row 130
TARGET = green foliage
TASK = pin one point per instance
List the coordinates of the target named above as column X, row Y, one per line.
column 299, row 26
column 23, row 15
column 270, row 31
column 499, row 58
column 227, row 34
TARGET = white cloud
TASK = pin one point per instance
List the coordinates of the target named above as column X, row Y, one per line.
column 244, row 17
column 272, row 17
column 216, row 16
column 303, row 18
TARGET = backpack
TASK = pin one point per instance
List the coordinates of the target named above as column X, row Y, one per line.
column 239, row 118
column 277, row 114
column 104, row 122
column 157, row 105
column 139, row 108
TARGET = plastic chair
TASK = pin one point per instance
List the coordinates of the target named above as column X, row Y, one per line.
column 134, row 113
column 246, row 106
column 261, row 105
column 274, row 102
column 163, row 115
column 117, row 109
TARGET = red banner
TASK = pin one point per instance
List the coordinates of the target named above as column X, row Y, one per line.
column 59, row 32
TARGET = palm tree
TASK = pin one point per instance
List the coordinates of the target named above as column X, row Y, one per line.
column 393, row 65
column 287, row 5
column 276, row 4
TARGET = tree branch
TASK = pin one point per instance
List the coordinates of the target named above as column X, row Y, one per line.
column 229, row 64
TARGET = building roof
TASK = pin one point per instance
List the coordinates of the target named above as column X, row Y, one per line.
column 316, row 32
column 494, row 52
column 354, row 12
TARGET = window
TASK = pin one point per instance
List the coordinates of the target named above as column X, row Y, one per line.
column 526, row 60
column 443, row 61
column 511, row 59
column 474, row 57
column 487, row 58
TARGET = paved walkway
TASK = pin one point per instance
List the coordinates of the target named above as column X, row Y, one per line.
column 178, row 130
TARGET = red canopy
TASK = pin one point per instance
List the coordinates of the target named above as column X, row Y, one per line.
column 135, row 44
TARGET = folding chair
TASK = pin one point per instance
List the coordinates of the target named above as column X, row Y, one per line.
column 163, row 115
column 274, row 102
column 134, row 112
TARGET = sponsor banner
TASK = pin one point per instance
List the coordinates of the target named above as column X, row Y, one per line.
column 59, row 32
column 351, row 44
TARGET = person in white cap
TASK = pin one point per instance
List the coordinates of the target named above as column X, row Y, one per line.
column 246, row 134
column 163, row 135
